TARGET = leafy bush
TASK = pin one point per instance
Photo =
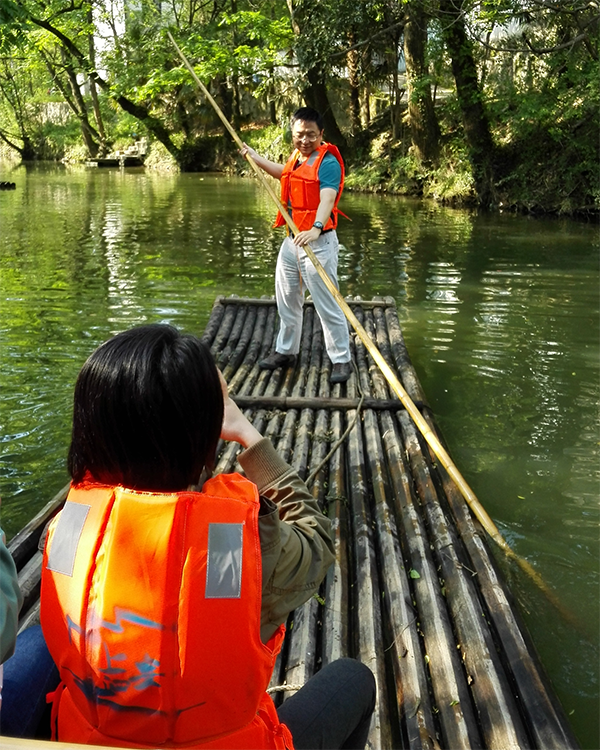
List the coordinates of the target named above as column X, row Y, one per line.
column 274, row 142
column 452, row 181
column 160, row 159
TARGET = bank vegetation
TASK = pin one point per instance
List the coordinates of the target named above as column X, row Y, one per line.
column 489, row 102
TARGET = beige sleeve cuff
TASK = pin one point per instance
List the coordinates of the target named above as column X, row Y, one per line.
column 263, row 465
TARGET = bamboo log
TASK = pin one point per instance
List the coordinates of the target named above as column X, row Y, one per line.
column 270, row 301
column 267, row 384
column 403, row 363
column 257, row 381
column 24, row 543
column 366, row 605
column 234, row 299
column 304, row 357
column 270, row 426
column 277, row 677
column 32, row 617
column 244, row 377
column 328, row 430
column 318, row 361
column 336, row 614
column 238, row 352
column 284, row 443
column 416, row 722
column 273, row 426
column 281, row 380
column 227, row 455
column 317, row 383
column 259, row 332
column 29, row 582
column 224, row 355
column 300, row 663
column 316, row 402
column 214, row 322
column 224, row 331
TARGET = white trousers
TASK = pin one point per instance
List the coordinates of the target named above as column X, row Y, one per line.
column 293, row 276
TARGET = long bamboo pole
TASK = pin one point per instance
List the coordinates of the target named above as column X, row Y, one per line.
column 431, row 438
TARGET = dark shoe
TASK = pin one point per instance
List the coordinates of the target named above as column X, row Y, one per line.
column 275, row 360
column 340, row 372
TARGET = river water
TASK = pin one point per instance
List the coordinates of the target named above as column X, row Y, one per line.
column 500, row 314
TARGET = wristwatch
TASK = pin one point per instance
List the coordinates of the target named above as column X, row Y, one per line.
column 318, row 225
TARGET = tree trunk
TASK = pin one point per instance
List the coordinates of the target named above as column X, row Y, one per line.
column 475, row 122
column 395, row 98
column 75, row 102
column 236, row 110
column 424, row 127
column 352, row 63
column 94, row 91
column 26, row 151
column 365, row 106
column 89, row 134
column 13, row 96
column 155, row 126
column 396, row 93
column 236, row 101
column 315, row 95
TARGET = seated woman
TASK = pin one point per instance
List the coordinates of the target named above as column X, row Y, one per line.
column 163, row 606
column 29, row 675
column 27, row 672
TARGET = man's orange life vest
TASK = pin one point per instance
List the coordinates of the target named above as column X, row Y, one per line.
column 150, row 607
column 300, row 187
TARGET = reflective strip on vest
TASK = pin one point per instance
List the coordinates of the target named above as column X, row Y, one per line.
column 61, row 558
column 224, row 563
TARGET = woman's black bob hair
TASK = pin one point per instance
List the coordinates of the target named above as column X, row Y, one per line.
column 148, row 411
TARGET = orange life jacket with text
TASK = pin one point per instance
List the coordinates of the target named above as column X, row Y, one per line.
column 151, row 606
column 300, row 187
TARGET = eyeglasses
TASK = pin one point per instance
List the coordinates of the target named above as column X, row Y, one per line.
column 306, row 137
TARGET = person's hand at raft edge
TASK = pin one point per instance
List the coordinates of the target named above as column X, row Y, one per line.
column 236, row 426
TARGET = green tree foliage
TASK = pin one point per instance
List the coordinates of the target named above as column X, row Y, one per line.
column 138, row 69
column 499, row 97
column 543, row 87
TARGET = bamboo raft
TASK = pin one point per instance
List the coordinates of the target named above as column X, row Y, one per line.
column 414, row 592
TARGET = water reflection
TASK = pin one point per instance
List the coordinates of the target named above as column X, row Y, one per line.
column 442, row 289
column 500, row 314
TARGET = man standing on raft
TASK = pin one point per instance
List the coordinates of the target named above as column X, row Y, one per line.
column 312, row 181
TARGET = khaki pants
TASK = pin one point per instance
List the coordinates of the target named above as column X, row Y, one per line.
column 293, row 276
